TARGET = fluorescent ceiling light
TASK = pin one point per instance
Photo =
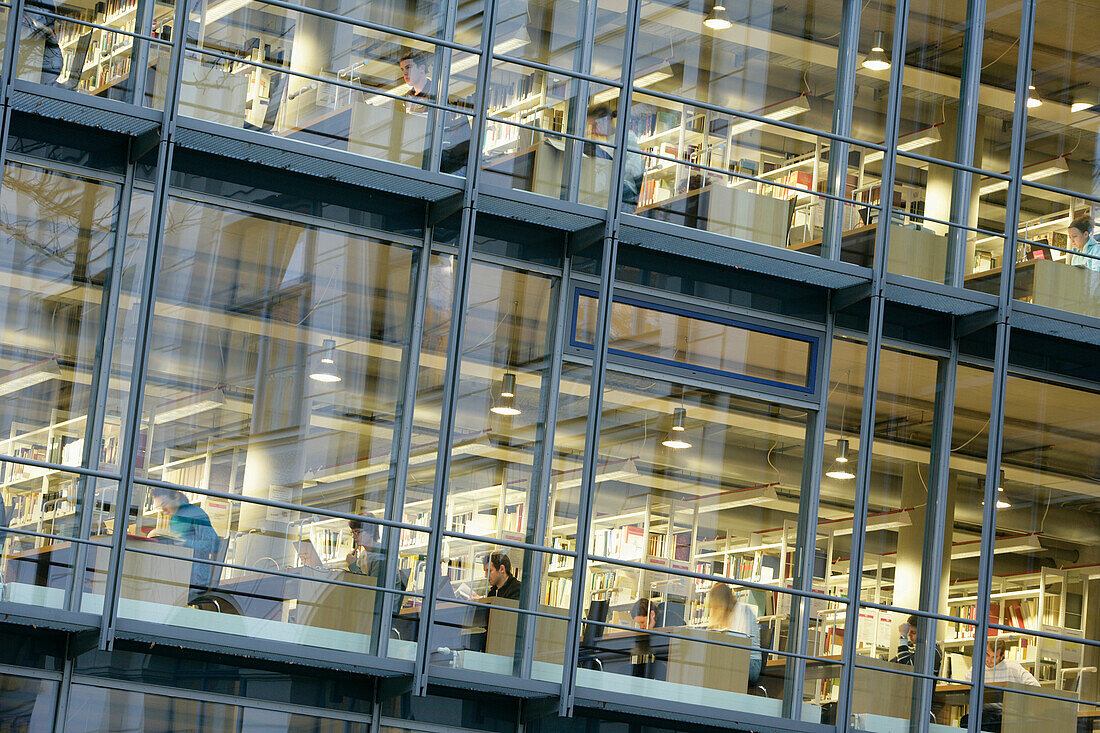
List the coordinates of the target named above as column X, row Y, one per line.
column 777, row 111
column 908, row 142
column 662, row 72
column 222, row 9
column 29, row 376
column 613, row 471
column 1033, row 172
column 875, row 522
column 188, row 406
column 472, row 448
column 1021, row 543
column 740, row 498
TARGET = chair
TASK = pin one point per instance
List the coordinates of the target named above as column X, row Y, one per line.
column 767, row 636
column 207, row 594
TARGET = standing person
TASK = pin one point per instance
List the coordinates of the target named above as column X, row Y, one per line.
column 726, row 613
column 502, row 584
column 1081, row 240
column 600, row 128
column 190, row 526
column 456, row 126
column 414, row 69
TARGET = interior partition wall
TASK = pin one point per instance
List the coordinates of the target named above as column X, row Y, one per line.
column 268, row 413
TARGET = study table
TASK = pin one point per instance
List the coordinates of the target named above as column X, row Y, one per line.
column 1053, row 283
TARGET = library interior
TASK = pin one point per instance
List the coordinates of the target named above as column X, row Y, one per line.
column 274, row 497
column 729, row 128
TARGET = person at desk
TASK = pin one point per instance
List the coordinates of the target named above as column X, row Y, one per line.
column 999, row 669
column 650, row 614
column 190, row 526
column 367, row 556
column 456, row 127
column 502, row 584
column 907, row 649
column 600, row 127
column 726, row 613
column 1081, row 239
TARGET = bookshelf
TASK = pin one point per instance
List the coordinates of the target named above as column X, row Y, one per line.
column 1052, row 600
column 46, row 499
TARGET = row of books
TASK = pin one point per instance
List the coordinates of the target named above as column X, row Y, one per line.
column 624, row 543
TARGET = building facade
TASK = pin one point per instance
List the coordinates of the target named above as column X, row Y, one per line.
column 550, row 365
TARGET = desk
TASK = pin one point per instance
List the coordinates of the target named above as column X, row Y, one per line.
column 733, row 212
column 540, row 167
column 162, row 580
column 913, row 252
column 1047, row 282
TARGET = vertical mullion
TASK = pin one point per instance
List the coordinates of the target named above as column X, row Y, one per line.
column 870, row 378
column 11, row 55
column 582, row 62
column 100, row 388
column 538, row 501
column 965, row 141
column 935, row 530
column 131, row 430
column 454, row 353
column 843, row 108
column 1000, row 364
column 806, row 538
column 399, row 467
column 610, row 256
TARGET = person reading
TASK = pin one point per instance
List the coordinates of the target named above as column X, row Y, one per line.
column 502, row 583
column 1081, row 240
column 907, row 649
column 189, row 526
column 726, row 613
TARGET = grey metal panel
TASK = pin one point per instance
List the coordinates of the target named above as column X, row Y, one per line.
column 273, row 152
column 744, row 255
column 936, row 297
column 84, row 114
column 49, row 618
column 471, row 679
column 650, row 708
column 1053, row 322
column 258, row 648
column 536, row 209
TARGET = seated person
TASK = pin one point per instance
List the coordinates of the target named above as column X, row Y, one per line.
column 367, row 556
column 502, row 583
column 190, row 526
column 907, row 650
column 1081, row 239
column 651, row 614
column 726, row 613
column 998, row 669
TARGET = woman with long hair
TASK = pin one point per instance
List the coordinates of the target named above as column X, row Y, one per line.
column 726, row 613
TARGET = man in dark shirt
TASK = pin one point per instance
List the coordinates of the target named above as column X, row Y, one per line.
column 502, row 584
column 907, row 650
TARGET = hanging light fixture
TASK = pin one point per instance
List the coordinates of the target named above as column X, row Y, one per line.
column 877, row 60
column 325, row 370
column 717, row 19
column 1033, row 99
column 1002, row 502
column 840, row 465
column 1084, row 100
column 507, row 404
column 676, row 439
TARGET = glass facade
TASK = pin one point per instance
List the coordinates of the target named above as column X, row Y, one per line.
column 562, row 365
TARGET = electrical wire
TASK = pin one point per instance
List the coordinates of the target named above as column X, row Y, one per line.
column 1010, row 46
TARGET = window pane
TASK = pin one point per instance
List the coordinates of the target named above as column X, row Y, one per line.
column 56, row 264
column 717, row 346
